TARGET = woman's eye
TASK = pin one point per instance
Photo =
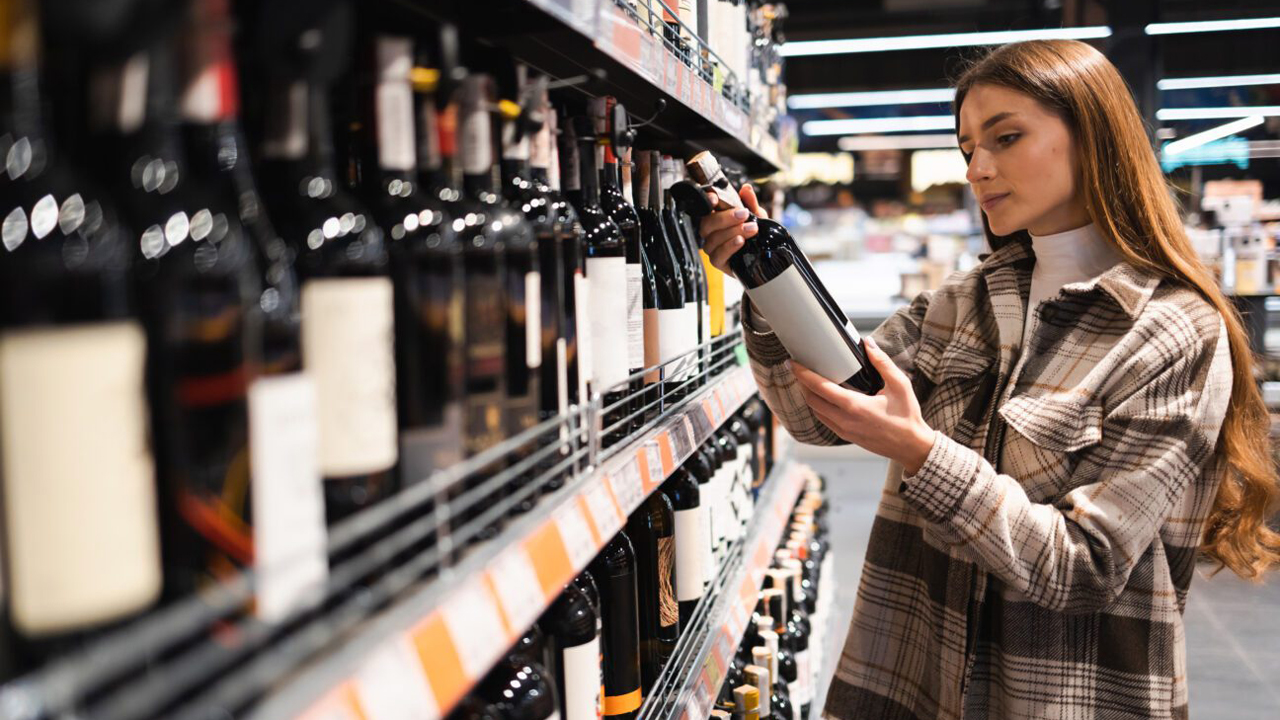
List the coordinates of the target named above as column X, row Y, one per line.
column 1007, row 138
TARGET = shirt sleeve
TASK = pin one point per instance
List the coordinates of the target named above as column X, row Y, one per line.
column 898, row 336
column 1075, row 555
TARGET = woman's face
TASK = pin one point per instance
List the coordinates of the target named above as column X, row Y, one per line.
column 1022, row 166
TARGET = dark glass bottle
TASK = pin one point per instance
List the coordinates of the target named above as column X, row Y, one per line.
column 287, row 501
column 72, row 359
column 689, row 275
column 649, row 403
column 783, row 286
column 572, row 624
column 671, row 330
column 199, row 286
column 524, row 137
column 607, row 281
column 519, row 690
column 471, row 707
column 609, row 119
column 614, row 569
column 652, row 530
column 702, row 464
column 347, row 300
column 564, row 178
column 689, row 237
column 692, row 540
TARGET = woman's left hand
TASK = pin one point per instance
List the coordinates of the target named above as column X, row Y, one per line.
column 888, row 424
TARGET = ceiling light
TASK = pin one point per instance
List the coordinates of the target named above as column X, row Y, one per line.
column 1208, row 136
column 1213, row 113
column 859, row 99
column 800, row 48
column 853, row 126
column 1179, row 28
column 1220, row 81
column 899, row 142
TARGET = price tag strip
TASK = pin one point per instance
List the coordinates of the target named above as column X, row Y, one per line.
column 424, row 671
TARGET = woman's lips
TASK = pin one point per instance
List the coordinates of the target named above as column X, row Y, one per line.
column 992, row 200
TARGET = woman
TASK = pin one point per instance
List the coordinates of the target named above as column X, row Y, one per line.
column 1067, row 424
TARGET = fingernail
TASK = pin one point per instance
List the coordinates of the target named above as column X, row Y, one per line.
column 749, row 228
column 871, row 341
column 740, row 214
column 738, row 240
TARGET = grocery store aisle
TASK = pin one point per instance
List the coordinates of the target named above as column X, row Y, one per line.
column 1233, row 626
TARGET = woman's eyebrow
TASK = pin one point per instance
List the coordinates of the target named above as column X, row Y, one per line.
column 989, row 122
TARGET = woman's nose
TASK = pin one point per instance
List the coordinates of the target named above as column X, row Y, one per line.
column 981, row 166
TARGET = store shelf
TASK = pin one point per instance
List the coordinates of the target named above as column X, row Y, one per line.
column 689, row 685
column 574, row 38
column 441, row 641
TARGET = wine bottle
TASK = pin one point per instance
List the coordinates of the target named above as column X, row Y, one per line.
column 199, row 286
column 783, row 286
column 570, row 166
column 286, row 501
column 471, row 707
column 72, row 365
column 572, row 626
column 652, row 531
column 702, row 465
column 607, row 279
column 524, row 137
column 612, row 134
column 746, row 703
column 533, row 647
column 519, row 690
column 426, row 269
column 670, row 316
column 692, row 541
column 546, row 164
column 614, row 569
column 688, row 365
column 690, row 247
column 347, row 298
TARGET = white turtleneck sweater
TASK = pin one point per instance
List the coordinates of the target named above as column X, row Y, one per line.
column 1067, row 257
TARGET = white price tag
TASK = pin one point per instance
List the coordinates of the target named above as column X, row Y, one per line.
column 518, row 589
column 653, row 456
column 603, row 511
column 576, row 535
column 475, row 627
column 628, row 487
column 693, row 711
column 392, row 686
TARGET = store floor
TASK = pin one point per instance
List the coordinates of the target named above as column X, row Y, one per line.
column 1233, row 627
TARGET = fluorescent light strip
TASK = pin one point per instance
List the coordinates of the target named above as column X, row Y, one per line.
column 879, row 125
column 860, row 99
column 1214, row 113
column 901, row 142
column 918, row 42
column 1221, row 81
column 1180, row 28
column 1208, row 136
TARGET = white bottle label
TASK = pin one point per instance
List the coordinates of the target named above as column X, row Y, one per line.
column 690, row 337
column 707, row 544
column 690, row 573
column 393, row 103
column 582, row 301
column 562, row 376
column 290, row 557
column 581, row 667
column 635, row 317
column 608, row 310
column 704, row 330
column 792, row 310
column 347, row 337
column 79, row 480
column 805, row 676
column 533, row 319
column 670, row 334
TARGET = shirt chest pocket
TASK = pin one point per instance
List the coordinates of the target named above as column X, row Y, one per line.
column 1046, row 434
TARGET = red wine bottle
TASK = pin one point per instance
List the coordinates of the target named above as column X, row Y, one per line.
column 287, row 503
column 573, row 627
column 667, row 322
column 72, row 365
column 342, row 259
column 614, row 569
column 607, row 279
column 692, row 541
column 783, row 286
column 652, row 531
column 687, row 367
column 565, row 178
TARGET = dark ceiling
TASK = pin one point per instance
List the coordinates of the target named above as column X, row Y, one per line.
column 1190, row 55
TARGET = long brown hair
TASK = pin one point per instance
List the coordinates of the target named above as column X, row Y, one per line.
column 1131, row 203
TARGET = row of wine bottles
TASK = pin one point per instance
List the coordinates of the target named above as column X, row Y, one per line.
column 219, row 329
column 597, row 651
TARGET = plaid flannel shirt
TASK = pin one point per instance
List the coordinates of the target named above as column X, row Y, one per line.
column 1038, row 563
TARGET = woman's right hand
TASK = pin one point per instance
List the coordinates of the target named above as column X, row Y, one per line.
column 725, row 231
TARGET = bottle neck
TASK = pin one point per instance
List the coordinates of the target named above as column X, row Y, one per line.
column 297, row 129
column 587, row 174
column 133, row 102
column 476, row 136
column 609, row 172
column 393, row 106
column 209, row 93
column 19, row 71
